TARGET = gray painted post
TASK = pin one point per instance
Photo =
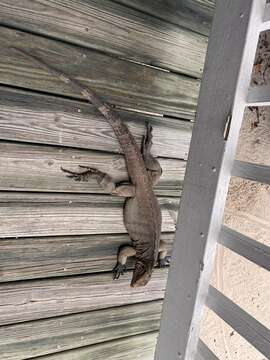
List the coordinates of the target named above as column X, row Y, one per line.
column 222, row 98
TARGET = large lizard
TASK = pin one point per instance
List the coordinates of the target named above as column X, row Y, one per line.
column 142, row 214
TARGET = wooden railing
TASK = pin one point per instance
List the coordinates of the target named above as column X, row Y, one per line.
column 225, row 93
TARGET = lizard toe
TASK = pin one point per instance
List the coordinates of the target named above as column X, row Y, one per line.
column 119, row 270
column 164, row 262
column 89, row 169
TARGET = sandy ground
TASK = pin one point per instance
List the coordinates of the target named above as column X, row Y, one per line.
column 247, row 211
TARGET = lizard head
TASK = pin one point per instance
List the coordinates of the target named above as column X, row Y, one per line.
column 141, row 274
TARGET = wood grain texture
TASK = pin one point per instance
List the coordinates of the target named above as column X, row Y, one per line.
column 42, row 257
column 112, row 28
column 251, row 171
column 117, row 81
column 191, row 14
column 140, row 346
column 37, row 214
column 37, row 338
column 245, row 246
column 38, row 299
column 35, row 118
column 208, row 173
column 25, row 167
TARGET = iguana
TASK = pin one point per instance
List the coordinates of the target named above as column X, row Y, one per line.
column 142, row 213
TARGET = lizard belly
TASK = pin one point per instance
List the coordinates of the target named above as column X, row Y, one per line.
column 143, row 223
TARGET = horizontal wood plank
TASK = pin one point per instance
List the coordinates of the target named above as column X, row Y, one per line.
column 34, row 214
column 192, row 14
column 204, row 353
column 246, row 326
column 112, row 28
column 251, row 249
column 130, row 348
column 117, row 81
column 38, row 299
column 35, row 118
column 251, row 171
column 266, row 20
column 42, row 257
column 26, row 167
column 42, row 337
column 258, row 96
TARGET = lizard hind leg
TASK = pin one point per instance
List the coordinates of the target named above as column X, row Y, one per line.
column 163, row 259
column 103, row 179
column 124, row 253
column 151, row 163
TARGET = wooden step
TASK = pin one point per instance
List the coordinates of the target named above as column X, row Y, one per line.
column 111, row 28
column 39, row 299
column 117, row 81
column 39, row 214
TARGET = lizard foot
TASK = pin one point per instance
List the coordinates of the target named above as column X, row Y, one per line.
column 149, row 130
column 164, row 262
column 148, row 137
column 119, row 270
column 81, row 176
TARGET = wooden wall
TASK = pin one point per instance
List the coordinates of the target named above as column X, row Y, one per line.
column 59, row 238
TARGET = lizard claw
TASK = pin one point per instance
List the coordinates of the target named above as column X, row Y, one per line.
column 149, row 127
column 89, row 169
column 164, row 262
column 119, row 270
column 149, row 131
column 83, row 176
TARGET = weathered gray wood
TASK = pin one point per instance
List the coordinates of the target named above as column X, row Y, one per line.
column 48, row 336
column 42, row 257
column 204, row 353
column 112, row 28
column 259, row 96
column 251, row 171
column 34, row 214
column 38, row 168
column 192, row 14
column 25, row 167
column 117, row 81
column 130, row 348
column 38, row 299
column 225, row 85
column 35, row 118
column 246, row 326
column 138, row 346
column 245, row 246
column 266, row 22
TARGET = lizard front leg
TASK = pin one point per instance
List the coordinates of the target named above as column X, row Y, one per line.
column 123, row 254
column 151, row 163
column 103, row 179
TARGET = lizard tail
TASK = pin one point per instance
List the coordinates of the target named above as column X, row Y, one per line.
column 111, row 116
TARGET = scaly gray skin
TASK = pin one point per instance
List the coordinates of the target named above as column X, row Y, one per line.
column 142, row 214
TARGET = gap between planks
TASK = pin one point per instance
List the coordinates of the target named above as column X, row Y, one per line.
column 35, row 118
column 52, row 214
column 38, row 299
column 113, row 29
column 37, row 168
column 122, row 84
column 48, row 257
column 195, row 15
